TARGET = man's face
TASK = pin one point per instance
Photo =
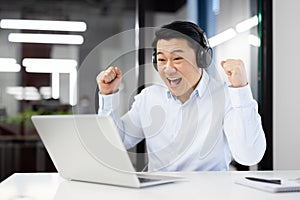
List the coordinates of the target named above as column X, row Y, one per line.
column 176, row 62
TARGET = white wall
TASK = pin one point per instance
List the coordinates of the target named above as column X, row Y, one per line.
column 286, row 92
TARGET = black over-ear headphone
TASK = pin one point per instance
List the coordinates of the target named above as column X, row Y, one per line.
column 204, row 53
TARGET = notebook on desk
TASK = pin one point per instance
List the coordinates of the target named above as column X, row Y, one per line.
column 283, row 186
column 89, row 148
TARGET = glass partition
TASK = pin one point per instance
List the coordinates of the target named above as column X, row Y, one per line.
column 43, row 46
column 51, row 52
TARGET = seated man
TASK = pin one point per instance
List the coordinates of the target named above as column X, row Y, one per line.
column 193, row 122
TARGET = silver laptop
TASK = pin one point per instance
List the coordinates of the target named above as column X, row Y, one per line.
column 89, row 148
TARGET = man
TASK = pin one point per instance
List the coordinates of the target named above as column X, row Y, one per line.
column 193, row 122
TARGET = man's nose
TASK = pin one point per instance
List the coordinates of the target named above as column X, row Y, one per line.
column 169, row 68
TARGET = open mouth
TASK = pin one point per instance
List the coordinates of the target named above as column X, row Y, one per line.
column 174, row 82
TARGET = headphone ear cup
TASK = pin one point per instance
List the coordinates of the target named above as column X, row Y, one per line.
column 208, row 56
column 204, row 57
column 154, row 59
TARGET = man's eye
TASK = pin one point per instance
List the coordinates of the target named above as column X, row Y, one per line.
column 178, row 58
column 160, row 59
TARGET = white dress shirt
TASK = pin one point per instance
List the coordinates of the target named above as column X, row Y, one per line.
column 216, row 124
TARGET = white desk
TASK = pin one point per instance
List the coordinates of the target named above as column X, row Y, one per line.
column 199, row 185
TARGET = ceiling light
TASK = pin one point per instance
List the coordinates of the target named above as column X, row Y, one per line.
column 222, row 37
column 7, row 61
column 247, row 24
column 55, row 85
column 73, row 88
column 45, row 65
column 55, row 66
column 45, row 38
column 43, row 25
column 45, row 92
column 10, row 68
column 254, row 40
column 24, row 93
column 9, row 65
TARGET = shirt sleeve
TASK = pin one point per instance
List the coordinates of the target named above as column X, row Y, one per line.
column 242, row 126
column 108, row 104
column 128, row 125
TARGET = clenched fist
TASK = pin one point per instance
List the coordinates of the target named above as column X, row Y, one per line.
column 235, row 71
column 109, row 80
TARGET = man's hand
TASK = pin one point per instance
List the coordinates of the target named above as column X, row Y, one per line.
column 235, row 71
column 109, row 80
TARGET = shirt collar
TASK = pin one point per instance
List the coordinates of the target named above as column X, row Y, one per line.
column 200, row 88
column 202, row 85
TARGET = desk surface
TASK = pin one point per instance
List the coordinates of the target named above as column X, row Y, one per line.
column 199, row 185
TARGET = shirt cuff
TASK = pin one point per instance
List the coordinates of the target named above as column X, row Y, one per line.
column 240, row 97
column 108, row 102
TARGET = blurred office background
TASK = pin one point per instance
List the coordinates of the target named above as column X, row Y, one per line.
column 52, row 70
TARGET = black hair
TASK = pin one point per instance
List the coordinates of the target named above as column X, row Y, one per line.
column 182, row 30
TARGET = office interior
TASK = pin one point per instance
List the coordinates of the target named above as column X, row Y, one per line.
column 45, row 76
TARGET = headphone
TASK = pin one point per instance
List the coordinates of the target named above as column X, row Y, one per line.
column 204, row 53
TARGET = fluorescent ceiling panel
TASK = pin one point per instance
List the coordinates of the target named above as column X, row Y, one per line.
column 254, row 40
column 43, row 25
column 24, row 93
column 45, row 38
column 222, row 37
column 10, row 68
column 44, row 65
column 9, row 65
column 247, row 24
